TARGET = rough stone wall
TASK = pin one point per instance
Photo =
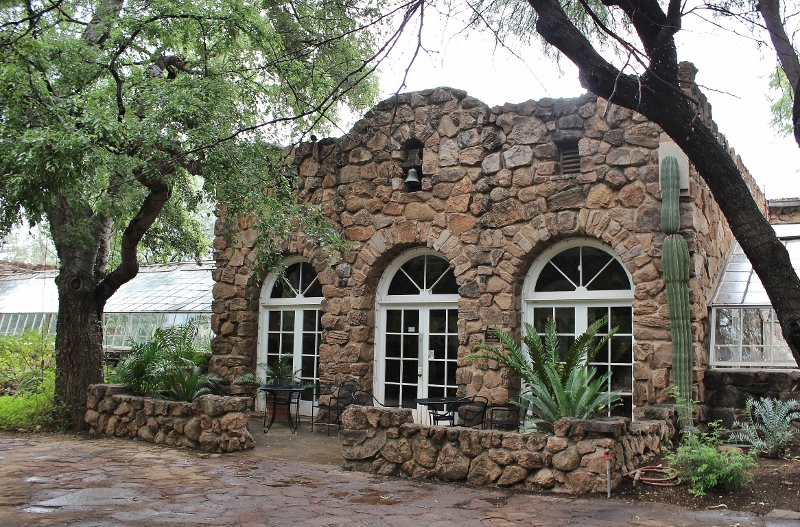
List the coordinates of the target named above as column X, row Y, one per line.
column 491, row 200
column 784, row 211
column 211, row 423
column 572, row 459
column 729, row 390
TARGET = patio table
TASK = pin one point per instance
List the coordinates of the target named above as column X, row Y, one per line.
column 283, row 395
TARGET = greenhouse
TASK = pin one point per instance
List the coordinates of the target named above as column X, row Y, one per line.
column 159, row 296
column 746, row 330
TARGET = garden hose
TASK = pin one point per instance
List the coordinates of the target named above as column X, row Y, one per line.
column 663, row 476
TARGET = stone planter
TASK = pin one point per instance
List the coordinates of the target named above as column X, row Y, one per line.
column 210, row 423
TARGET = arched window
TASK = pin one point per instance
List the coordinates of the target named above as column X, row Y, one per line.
column 289, row 321
column 576, row 283
column 416, row 330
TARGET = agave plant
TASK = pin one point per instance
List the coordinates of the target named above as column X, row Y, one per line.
column 556, row 389
column 769, row 425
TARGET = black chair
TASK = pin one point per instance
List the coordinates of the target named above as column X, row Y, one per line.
column 365, row 398
column 506, row 417
column 472, row 413
column 333, row 404
column 448, row 413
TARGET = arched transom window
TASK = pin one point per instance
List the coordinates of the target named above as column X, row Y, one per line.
column 576, row 283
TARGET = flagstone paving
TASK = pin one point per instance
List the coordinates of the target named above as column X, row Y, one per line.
column 69, row 480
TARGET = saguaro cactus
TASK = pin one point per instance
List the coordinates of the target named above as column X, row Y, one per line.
column 675, row 260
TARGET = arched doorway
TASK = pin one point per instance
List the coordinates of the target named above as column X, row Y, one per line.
column 289, row 322
column 576, row 283
column 416, row 330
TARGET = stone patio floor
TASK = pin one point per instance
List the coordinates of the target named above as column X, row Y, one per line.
column 287, row 480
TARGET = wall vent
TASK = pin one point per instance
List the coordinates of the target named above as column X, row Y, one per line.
column 569, row 159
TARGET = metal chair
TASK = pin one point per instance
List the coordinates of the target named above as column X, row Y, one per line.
column 472, row 413
column 291, row 400
column 365, row 398
column 506, row 417
column 448, row 414
column 334, row 403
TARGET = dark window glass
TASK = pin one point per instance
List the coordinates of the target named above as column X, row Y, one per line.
column 452, row 366
column 437, row 344
column 391, row 394
column 435, row 372
column 438, row 321
column 622, row 318
column 411, row 321
column 541, row 316
column 287, row 345
column 393, row 319
column 274, row 321
column 392, row 371
column 436, row 391
column 612, row 278
column 550, row 280
column 410, row 346
column 621, row 350
column 309, row 320
column 288, row 320
column 565, row 320
column 593, row 261
column 409, row 372
column 568, row 262
column 596, row 313
column 452, row 347
column 621, row 378
column 415, row 269
column 273, row 343
column 393, row 345
column 452, row 320
column 401, row 285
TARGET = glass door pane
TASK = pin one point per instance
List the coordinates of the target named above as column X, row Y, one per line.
column 401, row 368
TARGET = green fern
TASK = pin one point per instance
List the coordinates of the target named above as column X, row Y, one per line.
column 769, row 425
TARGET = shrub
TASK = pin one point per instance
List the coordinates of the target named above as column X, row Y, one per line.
column 704, row 466
column 32, row 410
column 23, row 360
column 556, row 389
column 769, row 425
column 170, row 362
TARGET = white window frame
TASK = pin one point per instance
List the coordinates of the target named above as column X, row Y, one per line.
column 298, row 305
column 581, row 299
column 748, row 365
column 424, row 301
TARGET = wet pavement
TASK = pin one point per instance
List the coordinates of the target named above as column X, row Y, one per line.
column 287, row 480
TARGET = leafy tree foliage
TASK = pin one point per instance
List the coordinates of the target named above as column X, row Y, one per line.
column 119, row 118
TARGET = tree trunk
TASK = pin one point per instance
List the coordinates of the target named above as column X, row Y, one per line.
column 79, row 345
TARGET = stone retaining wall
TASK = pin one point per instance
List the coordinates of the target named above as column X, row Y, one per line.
column 211, row 423
column 572, row 460
column 728, row 391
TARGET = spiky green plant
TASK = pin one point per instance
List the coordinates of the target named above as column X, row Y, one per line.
column 187, row 382
column 151, row 366
column 769, row 425
column 568, row 388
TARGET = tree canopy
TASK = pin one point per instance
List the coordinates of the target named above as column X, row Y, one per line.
column 119, row 118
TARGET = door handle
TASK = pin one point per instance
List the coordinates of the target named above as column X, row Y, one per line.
column 419, row 372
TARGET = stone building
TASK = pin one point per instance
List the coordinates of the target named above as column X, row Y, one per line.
column 523, row 212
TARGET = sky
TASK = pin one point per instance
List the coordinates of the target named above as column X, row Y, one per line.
column 733, row 74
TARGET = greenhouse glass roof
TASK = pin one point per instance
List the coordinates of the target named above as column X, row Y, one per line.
column 740, row 285
column 183, row 287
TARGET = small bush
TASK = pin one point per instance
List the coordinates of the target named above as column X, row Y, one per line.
column 23, row 361
column 700, row 462
column 32, row 410
column 170, row 362
column 769, row 425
